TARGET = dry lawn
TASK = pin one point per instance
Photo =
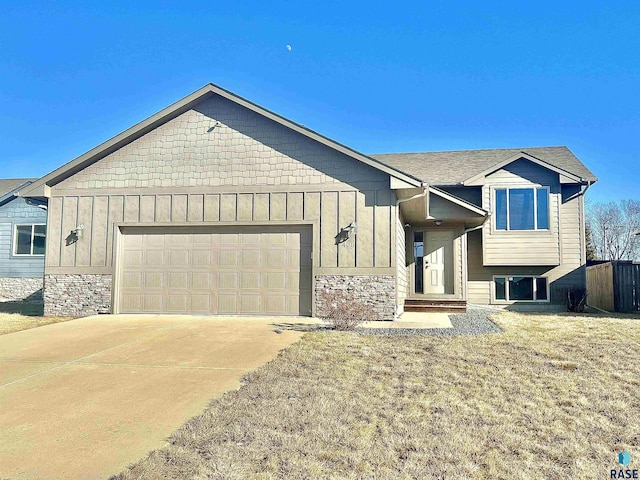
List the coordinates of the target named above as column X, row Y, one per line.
column 14, row 322
column 553, row 397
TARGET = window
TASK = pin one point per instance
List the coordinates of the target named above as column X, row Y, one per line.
column 29, row 239
column 522, row 208
column 521, row 288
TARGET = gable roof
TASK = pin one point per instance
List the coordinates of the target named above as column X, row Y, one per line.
column 453, row 168
column 40, row 187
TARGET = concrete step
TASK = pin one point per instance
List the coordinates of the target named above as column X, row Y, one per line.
column 435, row 305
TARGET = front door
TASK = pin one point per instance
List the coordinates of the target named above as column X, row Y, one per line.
column 438, row 262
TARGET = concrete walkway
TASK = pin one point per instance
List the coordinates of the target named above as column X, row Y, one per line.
column 85, row 398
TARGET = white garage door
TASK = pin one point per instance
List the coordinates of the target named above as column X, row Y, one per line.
column 234, row 270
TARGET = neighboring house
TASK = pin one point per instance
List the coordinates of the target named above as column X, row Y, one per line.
column 217, row 205
column 23, row 226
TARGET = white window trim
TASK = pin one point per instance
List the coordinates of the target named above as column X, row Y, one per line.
column 535, row 207
column 508, row 301
column 15, row 240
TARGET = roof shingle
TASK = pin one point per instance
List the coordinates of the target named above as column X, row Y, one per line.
column 9, row 184
column 452, row 168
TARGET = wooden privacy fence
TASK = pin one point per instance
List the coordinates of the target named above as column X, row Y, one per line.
column 614, row 286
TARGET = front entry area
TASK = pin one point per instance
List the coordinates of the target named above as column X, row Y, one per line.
column 434, row 266
column 233, row 270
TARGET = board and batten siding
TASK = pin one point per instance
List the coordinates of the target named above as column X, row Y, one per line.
column 532, row 247
column 571, row 271
column 12, row 213
column 328, row 211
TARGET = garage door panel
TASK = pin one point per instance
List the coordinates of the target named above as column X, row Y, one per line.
column 250, row 258
column 276, row 258
column 293, row 304
column 132, row 280
column 202, row 239
column 152, row 240
column 201, row 258
column 200, row 280
column 133, row 257
column 153, row 302
column 229, row 239
column 272, row 239
column 177, row 303
column 276, row 304
column 153, row 258
column 154, row 280
column 250, row 239
column 179, row 280
column 200, row 303
column 228, row 281
column 293, row 281
column 220, row 270
column 131, row 302
column 249, row 304
column 227, row 303
column 227, row 258
column 179, row 258
column 274, row 281
column 250, row 280
column 294, row 258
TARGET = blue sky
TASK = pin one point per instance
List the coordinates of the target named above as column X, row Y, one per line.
column 416, row 76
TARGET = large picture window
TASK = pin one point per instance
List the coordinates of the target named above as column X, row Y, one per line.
column 522, row 208
column 521, row 288
column 29, row 239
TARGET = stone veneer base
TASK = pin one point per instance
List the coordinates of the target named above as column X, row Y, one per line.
column 77, row 295
column 83, row 294
column 21, row 289
column 378, row 291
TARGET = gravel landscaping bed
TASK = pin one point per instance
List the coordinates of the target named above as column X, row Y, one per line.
column 474, row 322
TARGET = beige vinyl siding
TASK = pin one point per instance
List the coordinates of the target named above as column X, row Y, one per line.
column 458, row 245
column 569, row 273
column 441, row 208
column 401, row 266
column 541, row 247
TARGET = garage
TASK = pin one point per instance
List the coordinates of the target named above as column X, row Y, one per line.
column 234, row 270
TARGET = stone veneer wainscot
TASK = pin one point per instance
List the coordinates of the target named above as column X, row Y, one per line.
column 77, row 295
column 21, row 289
column 378, row 291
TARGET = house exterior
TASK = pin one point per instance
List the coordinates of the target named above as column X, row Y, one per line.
column 216, row 205
column 23, row 226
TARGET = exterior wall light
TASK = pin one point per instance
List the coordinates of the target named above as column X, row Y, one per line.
column 78, row 231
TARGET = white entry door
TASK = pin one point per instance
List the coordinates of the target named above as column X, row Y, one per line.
column 438, row 261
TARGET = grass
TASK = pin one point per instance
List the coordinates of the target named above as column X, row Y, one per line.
column 23, row 317
column 554, row 396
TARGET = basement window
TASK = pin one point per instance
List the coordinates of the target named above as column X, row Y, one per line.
column 521, row 288
column 29, row 239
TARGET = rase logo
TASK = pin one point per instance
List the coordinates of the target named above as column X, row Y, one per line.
column 624, row 459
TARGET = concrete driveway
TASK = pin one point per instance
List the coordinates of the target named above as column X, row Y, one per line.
column 85, row 398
